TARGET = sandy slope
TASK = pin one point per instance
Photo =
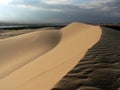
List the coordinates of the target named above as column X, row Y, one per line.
column 51, row 54
column 99, row 69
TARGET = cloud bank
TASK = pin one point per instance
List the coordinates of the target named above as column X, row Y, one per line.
column 65, row 10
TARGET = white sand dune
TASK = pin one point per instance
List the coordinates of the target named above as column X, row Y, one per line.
column 38, row 60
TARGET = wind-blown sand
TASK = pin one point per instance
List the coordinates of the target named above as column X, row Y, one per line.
column 100, row 67
column 38, row 60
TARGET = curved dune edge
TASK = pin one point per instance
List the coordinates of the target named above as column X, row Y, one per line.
column 20, row 50
column 46, row 70
column 99, row 69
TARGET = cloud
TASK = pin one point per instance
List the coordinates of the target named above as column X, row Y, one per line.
column 100, row 4
column 34, row 8
column 61, row 5
column 66, row 10
column 45, row 5
column 29, row 7
column 25, row 2
column 5, row 2
column 57, row 1
column 106, row 7
column 36, row 5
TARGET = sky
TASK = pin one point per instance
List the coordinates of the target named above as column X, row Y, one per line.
column 60, row 11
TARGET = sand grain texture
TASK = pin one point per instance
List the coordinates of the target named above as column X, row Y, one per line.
column 38, row 60
column 99, row 69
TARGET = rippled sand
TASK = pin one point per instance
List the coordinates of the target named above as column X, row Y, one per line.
column 99, row 69
column 76, row 57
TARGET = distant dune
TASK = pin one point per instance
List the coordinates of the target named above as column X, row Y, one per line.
column 38, row 60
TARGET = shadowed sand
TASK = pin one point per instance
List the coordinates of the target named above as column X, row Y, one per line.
column 100, row 67
column 38, row 60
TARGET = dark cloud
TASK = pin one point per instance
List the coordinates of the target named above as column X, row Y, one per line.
column 92, row 11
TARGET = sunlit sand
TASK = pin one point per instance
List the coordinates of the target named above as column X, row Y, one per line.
column 38, row 60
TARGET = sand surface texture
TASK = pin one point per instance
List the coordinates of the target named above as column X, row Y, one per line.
column 100, row 67
column 38, row 60
column 10, row 33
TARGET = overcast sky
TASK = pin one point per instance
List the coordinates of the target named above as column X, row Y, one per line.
column 60, row 11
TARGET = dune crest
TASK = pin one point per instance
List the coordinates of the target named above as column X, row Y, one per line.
column 99, row 69
column 43, row 72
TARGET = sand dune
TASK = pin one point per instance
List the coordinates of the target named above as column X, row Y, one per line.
column 38, row 60
column 99, row 69
column 17, row 51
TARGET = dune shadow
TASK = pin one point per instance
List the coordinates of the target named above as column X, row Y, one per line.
column 99, row 69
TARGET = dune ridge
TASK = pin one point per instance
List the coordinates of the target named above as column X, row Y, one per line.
column 99, row 69
column 47, row 69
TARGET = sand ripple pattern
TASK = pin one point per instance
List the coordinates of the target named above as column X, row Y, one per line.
column 100, row 67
